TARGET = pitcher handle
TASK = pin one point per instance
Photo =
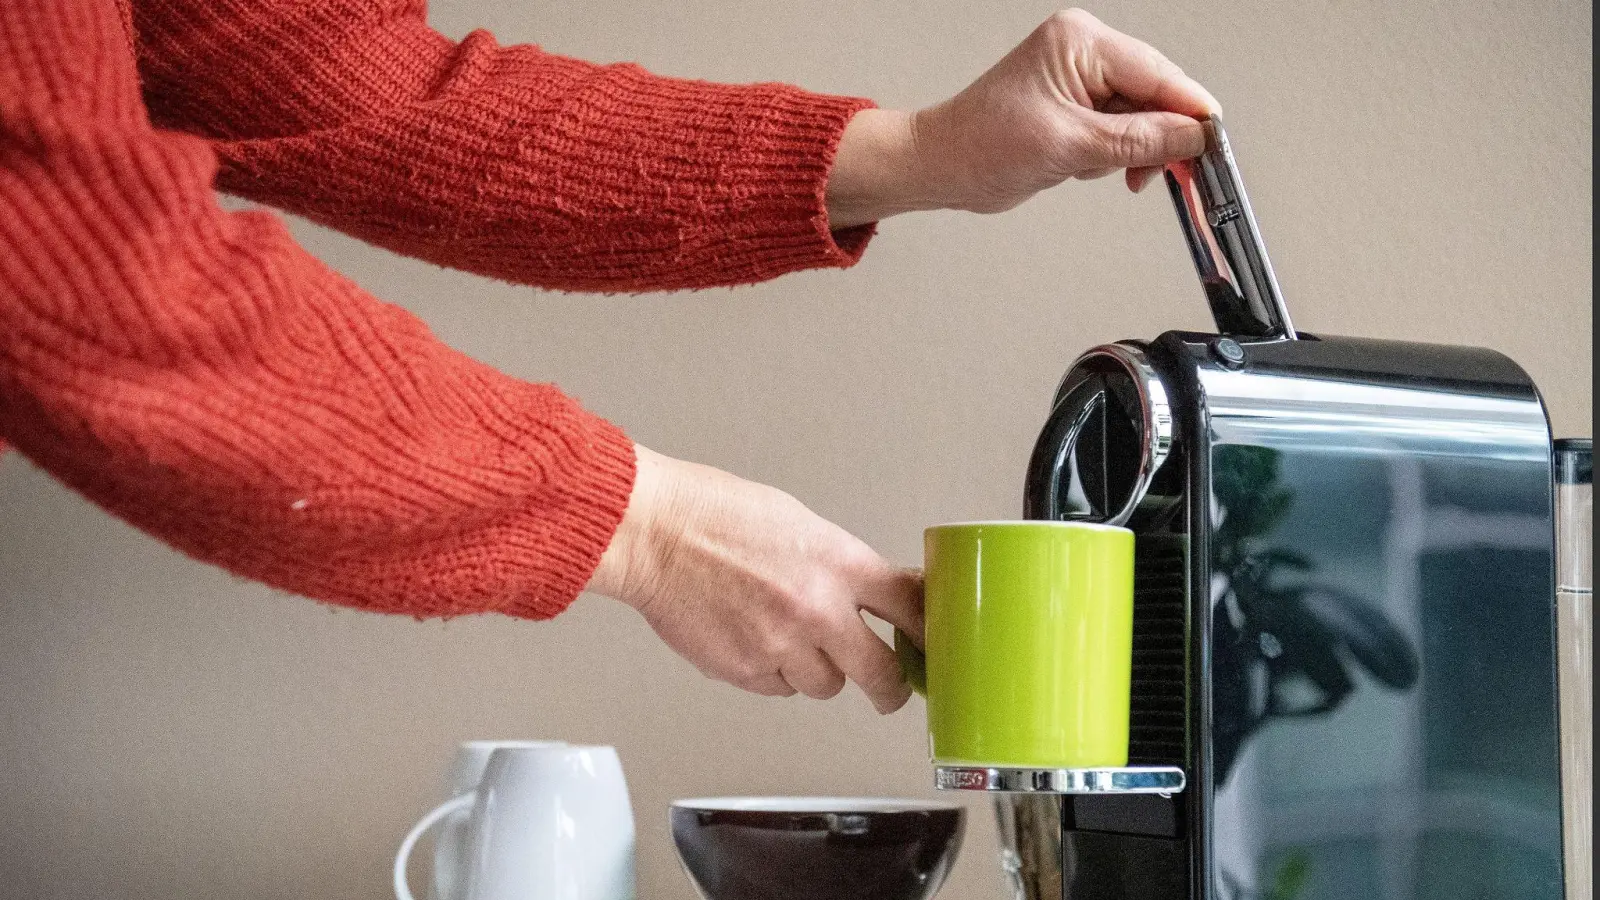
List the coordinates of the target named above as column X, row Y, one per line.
column 402, row 890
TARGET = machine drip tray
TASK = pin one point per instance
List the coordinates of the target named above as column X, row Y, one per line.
column 1165, row 780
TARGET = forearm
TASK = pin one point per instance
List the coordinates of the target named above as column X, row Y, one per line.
column 507, row 161
column 200, row 376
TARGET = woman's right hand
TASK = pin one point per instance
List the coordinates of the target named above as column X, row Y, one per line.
column 754, row 589
column 1076, row 99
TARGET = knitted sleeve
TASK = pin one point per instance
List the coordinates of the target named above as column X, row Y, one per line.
column 506, row 161
column 200, row 376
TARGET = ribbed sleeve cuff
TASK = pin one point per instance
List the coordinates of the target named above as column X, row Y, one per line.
column 565, row 540
column 739, row 172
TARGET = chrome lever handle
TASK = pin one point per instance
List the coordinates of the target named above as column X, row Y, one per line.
column 1225, row 243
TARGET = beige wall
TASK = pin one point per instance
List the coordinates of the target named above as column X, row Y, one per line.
column 1420, row 171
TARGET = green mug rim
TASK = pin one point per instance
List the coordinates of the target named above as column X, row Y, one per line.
column 1027, row 523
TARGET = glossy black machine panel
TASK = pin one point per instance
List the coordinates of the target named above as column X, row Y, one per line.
column 1344, row 605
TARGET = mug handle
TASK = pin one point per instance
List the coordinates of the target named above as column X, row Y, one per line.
column 402, row 890
column 913, row 663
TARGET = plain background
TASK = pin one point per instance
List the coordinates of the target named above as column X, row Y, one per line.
column 1420, row 171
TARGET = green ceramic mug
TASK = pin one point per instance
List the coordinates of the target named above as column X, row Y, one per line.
column 1029, row 649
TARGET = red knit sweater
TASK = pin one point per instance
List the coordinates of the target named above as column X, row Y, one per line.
column 199, row 375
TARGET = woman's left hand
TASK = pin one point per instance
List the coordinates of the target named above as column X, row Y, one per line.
column 756, row 590
column 1076, row 99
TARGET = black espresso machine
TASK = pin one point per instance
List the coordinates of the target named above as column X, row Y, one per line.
column 1344, row 674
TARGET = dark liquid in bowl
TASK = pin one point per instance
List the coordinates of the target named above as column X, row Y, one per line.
column 902, row 854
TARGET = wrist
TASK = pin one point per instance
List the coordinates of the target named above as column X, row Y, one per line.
column 626, row 566
column 877, row 172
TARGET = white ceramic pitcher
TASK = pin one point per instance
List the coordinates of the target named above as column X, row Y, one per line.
column 546, row 822
column 466, row 771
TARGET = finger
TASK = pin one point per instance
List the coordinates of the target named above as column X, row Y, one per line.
column 1142, row 139
column 769, row 685
column 814, row 675
column 1092, row 174
column 1138, row 72
column 895, row 596
column 869, row 662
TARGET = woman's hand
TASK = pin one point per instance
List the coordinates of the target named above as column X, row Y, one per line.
column 1075, row 100
column 754, row 589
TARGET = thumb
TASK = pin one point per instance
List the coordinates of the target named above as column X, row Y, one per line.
column 1142, row 139
column 895, row 596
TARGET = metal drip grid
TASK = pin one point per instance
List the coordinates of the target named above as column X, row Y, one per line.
column 1163, row 780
